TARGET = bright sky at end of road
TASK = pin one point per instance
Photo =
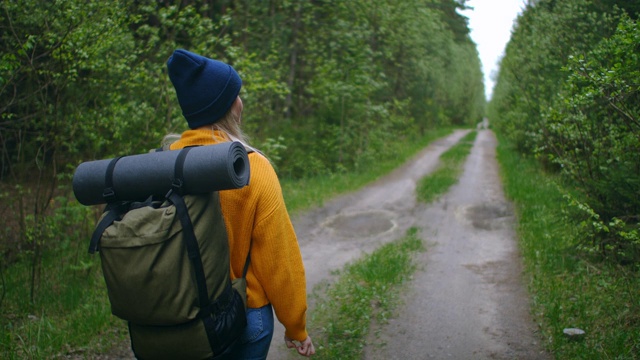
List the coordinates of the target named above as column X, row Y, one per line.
column 491, row 22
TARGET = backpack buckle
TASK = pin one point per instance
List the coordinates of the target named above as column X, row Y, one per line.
column 109, row 195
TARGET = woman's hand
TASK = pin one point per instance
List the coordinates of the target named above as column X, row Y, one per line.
column 305, row 348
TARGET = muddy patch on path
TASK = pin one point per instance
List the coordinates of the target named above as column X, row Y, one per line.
column 363, row 223
column 488, row 216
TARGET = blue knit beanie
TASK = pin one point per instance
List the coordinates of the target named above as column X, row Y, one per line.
column 206, row 88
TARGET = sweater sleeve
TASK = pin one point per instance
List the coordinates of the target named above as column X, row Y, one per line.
column 279, row 268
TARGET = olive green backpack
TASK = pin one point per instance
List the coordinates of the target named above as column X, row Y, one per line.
column 166, row 266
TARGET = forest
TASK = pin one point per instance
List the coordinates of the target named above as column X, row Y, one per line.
column 568, row 94
column 335, row 83
column 330, row 87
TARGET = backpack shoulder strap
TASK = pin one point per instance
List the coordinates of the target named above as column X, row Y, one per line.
column 175, row 197
column 248, row 260
column 113, row 212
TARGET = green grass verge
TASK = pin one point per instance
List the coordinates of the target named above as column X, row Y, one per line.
column 366, row 290
column 301, row 194
column 569, row 289
column 451, row 165
column 69, row 310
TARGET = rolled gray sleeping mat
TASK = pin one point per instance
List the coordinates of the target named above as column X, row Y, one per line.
column 208, row 168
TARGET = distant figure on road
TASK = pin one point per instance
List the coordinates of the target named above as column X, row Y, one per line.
column 484, row 124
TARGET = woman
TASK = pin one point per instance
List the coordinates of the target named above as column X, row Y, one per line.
column 255, row 216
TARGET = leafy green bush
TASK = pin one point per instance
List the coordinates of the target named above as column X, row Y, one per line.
column 567, row 91
column 593, row 134
column 544, row 36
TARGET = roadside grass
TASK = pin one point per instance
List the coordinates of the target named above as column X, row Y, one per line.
column 451, row 165
column 301, row 194
column 569, row 288
column 367, row 290
column 70, row 312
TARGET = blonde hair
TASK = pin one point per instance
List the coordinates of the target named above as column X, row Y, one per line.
column 228, row 125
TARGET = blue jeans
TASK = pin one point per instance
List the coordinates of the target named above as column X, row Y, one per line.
column 255, row 341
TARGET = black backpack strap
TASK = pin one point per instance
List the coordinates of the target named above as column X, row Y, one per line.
column 248, row 261
column 178, row 171
column 113, row 213
column 109, row 193
column 191, row 243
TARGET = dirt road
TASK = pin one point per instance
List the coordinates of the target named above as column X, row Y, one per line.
column 467, row 300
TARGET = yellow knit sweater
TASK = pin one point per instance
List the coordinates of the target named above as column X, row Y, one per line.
column 257, row 212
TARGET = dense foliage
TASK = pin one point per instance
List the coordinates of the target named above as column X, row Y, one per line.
column 568, row 93
column 328, row 86
column 336, row 79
